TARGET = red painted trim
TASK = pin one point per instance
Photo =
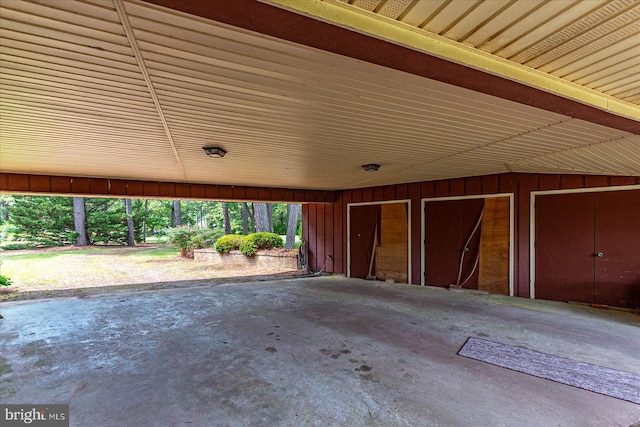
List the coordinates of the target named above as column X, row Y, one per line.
column 104, row 187
column 266, row 19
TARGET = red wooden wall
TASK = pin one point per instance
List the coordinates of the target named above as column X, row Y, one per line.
column 325, row 225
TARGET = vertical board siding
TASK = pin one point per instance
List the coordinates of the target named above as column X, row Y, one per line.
column 416, row 243
column 313, row 240
column 338, row 263
column 332, row 238
column 321, row 222
column 526, row 184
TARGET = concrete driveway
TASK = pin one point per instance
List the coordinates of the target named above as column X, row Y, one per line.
column 324, row 351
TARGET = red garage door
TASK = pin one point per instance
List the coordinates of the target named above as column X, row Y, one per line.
column 587, row 247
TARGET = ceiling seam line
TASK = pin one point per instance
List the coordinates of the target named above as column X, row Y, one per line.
column 133, row 43
column 566, row 150
column 464, row 151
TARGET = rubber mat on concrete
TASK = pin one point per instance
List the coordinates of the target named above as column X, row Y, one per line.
column 599, row 379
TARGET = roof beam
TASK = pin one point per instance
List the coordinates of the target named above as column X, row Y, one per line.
column 348, row 17
column 49, row 185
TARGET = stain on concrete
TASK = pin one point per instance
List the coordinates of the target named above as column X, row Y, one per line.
column 101, row 363
column 35, row 348
column 6, row 388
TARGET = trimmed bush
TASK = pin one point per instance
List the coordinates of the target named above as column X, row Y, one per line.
column 190, row 238
column 262, row 240
column 228, row 243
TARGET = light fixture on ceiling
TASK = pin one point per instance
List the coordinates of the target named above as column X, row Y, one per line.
column 214, row 151
column 371, row 167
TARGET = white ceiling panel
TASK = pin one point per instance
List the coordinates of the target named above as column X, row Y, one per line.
column 73, row 87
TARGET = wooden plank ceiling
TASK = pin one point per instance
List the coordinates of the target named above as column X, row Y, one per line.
column 592, row 43
column 128, row 89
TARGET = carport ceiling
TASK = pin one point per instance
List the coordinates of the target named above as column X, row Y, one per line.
column 302, row 93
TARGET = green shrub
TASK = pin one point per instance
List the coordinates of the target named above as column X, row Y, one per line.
column 229, row 242
column 13, row 246
column 248, row 247
column 190, row 238
column 4, row 281
column 262, row 240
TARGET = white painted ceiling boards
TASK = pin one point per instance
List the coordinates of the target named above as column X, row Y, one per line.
column 128, row 89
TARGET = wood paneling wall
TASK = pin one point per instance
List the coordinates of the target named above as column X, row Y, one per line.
column 325, row 226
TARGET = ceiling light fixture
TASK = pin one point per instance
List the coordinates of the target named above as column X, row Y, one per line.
column 214, row 151
column 371, row 167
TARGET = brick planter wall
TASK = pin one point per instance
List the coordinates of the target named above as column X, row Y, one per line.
column 272, row 259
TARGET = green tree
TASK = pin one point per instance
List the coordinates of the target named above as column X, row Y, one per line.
column 106, row 221
column 46, row 221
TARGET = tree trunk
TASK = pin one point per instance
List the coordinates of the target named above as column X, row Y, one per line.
column 270, row 216
column 252, row 216
column 227, row 220
column 245, row 218
column 177, row 213
column 292, row 225
column 144, row 221
column 80, row 221
column 262, row 217
column 131, row 239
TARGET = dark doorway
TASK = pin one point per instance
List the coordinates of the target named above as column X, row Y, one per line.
column 379, row 241
column 467, row 243
column 365, row 220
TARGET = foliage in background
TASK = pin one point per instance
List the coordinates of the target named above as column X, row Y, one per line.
column 106, row 221
column 45, row 221
column 189, row 238
column 4, row 281
column 229, row 242
column 35, row 221
column 262, row 240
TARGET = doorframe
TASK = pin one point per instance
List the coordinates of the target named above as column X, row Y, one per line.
column 532, row 221
column 423, row 230
column 386, row 202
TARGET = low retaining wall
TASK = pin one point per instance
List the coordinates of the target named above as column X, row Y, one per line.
column 272, row 259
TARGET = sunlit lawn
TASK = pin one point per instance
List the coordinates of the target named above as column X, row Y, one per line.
column 39, row 270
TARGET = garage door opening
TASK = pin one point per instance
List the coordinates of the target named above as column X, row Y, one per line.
column 70, row 245
column 468, row 243
column 379, row 241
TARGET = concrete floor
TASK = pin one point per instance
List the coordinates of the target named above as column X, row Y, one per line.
column 324, row 351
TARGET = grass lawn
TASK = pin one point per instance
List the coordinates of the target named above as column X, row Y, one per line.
column 77, row 268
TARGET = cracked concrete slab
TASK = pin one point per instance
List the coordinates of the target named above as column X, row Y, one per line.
column 312, row 351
